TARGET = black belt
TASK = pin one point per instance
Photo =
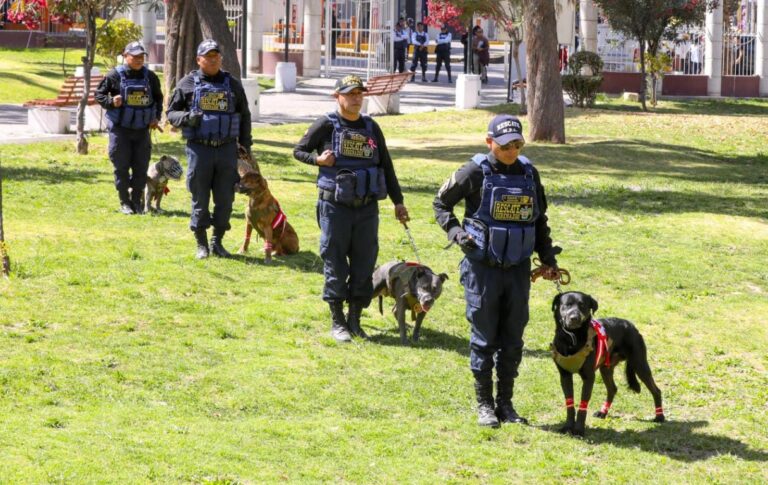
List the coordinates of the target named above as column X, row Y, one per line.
column 213, row 143
column 329, row 196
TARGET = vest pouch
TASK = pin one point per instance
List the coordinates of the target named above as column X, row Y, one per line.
column 529, row 240
column 209, row 127
column 520, row 242
column 113, row 116
column 141, row 118
column 126, row 121
column 224, row 126
column 234, row 126
column 381, row 185
column 361, row 185
column 346, row 180
column 497, row 246
column 479, row 232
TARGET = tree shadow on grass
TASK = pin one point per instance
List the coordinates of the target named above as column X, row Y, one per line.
column 305, row 261
column 675, row 439
column 53, row 176
column 430, row 339
column 710, row 107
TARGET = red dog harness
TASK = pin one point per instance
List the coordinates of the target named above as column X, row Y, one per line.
column 602, row 344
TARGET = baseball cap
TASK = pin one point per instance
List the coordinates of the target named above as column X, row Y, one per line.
column 207, row 46
column 505, row 128
column 347, row 84
column 134, row 49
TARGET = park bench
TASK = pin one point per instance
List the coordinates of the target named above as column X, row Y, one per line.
column 383, row 95
column 52, row 115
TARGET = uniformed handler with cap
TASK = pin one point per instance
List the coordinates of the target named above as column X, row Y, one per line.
column 504, row 222
column 210, row 107
column 355, row 172
column 400, row 41
column 133, row 98
column 443, row 53
column 420, row 41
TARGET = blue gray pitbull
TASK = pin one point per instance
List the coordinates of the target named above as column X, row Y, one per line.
column 413, row 286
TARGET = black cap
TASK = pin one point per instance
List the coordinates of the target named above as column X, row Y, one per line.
column 207, row 46
column 135, row 49
column 505, row 128
column 348, row 83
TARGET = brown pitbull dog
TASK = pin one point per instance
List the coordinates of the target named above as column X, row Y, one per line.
column 263, row 212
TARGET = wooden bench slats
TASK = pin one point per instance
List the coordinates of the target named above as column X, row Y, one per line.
column 387, row 83
column 69, row 94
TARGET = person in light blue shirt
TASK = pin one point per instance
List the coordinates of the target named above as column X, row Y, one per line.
column 443, row 53
column 420, row 40
column 400, row 40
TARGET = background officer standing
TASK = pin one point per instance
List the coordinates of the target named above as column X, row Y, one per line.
column 133, row 98
column 443, row 52
column 400, row 38
column 355, row 171
column 419, row 39
column 211, row 108
column 504, row 222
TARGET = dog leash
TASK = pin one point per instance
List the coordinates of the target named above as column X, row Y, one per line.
column 413, row 243
column 563, row 275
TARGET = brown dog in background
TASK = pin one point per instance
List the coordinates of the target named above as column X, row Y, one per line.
column 263, row 212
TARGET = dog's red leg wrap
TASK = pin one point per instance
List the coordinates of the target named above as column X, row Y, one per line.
column 569, row 402
column 583, row 405
column 659, row 411
column 268, row 246
column 606, row 407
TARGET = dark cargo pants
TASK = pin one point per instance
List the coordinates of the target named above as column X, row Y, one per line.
column 349, row 245
column 211, row 170
column 129, row 152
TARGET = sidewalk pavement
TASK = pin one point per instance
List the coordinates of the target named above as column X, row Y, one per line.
column 311, row 99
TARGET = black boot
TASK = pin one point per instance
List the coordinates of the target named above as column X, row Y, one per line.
column 484, row 395
column 353, row 320
column 201, row 236
column 216, row 247
column 449, row 77
column 339, row 329
column 125, row 202
column 126, row 208
column 504, row 409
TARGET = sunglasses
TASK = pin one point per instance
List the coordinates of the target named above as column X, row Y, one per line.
column 517, row 145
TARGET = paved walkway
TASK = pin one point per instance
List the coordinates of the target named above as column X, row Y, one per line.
column 311, row 99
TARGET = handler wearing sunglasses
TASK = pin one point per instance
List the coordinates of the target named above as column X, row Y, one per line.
column 504, row 222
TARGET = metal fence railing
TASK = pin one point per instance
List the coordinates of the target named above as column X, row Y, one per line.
column 360, row 39
column 739, row 39
column 619, row 53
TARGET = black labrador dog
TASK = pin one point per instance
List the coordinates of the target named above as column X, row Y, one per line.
column 583, row 344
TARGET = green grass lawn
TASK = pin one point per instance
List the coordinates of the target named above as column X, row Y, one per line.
column 27, row 74
column 124, row 360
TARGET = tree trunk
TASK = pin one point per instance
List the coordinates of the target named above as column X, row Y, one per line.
column 516, row 56
column 214, row 26
column 180, row 49
column 642, row 74
column 545, row 91
column 90, row 53
column 5, row 260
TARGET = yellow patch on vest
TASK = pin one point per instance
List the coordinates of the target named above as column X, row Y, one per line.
column 355, row 145
column 137, row 98
column 513, row 208
column 214, row 102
